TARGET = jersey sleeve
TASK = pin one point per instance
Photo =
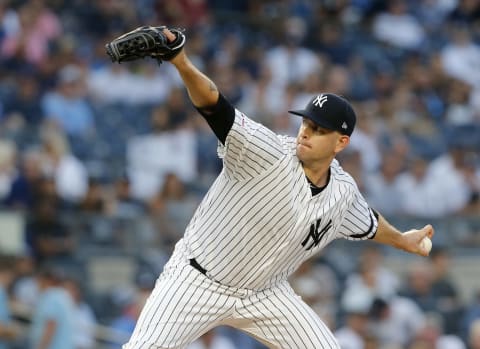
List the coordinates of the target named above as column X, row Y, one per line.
column 219, row 117
column 360, row 221
column 250, row 148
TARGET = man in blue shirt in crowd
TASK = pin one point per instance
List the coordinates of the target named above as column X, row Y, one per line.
column 53, row 318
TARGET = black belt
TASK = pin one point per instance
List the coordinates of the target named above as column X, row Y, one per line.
column 197, row 266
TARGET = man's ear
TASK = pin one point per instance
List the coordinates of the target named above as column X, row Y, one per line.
column 342, row 142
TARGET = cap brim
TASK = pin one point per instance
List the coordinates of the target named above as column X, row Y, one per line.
column 303, row 113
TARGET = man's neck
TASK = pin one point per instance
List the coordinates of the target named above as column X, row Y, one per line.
column 318, row 174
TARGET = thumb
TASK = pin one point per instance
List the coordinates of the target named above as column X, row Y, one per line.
column 428, row 231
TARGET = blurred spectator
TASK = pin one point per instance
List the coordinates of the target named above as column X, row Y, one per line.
column 31, row 41
column 448, row 172
column 419, row 194
column 355, row 331
column 395, row 320
column 84, row 318
column 9, row 19
column 228, row 52
column 171, row 209
column 263, row 98
column 123, row 204
column 53, row 316
column 471, row 316
column 359, row 285
column 94, row 201
column 110, row 83
column 433, row 14
column 25, row 102
column 432, row 336
column 290, row 62
column 387, row 282
column 427, row 83
column 445, row 290
column 69, row 174
column 229, row 82
column 8, row 153
column 361, row 84
column 330, row 40
column 450, row 342
column 397, row 27
column 184, row 13
column 418, row 286
column 25, row 186
column 8, row 331
column 50, row 238
column 411, row 116
column 114, row 83
column 461, row 55
column 212, row 340
column 337, row 80
column 474, row 335
column 67, row 106
column 175, row 105
column 460, row 112
column 383, row 189
column 46, row 190
column 366, row 138
column 466, row 12
column 146, row 169
column 25, row 288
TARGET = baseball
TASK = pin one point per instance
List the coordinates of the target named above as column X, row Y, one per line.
column 426, row 244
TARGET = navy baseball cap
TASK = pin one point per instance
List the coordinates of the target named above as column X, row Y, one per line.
column 330, row 111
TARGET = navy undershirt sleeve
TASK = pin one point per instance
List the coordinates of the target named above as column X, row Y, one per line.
column 220, row 117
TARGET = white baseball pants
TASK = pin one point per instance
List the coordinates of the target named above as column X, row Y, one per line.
column 185, row 304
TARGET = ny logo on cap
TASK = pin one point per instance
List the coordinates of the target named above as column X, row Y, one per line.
column 320, row 100
column 344, row 125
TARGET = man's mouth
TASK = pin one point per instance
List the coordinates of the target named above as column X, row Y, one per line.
column 304, row 144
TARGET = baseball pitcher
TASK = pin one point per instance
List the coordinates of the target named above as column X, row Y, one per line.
column 278, row 201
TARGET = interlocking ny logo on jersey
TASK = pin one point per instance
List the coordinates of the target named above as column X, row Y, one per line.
column 315, row 234
column 320, row 100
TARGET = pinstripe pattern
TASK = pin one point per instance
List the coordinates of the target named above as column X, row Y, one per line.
column 293, row 324
column 249, row 229
column 185, row 304
column 258, row 222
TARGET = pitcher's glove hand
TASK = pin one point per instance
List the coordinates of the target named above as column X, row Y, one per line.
column 146, row 42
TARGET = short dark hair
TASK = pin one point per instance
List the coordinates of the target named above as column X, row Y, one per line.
column 7, row 262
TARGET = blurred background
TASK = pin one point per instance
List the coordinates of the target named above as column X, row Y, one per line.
column 102, row 165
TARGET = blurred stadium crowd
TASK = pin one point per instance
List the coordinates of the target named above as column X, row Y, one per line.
column 102, row 165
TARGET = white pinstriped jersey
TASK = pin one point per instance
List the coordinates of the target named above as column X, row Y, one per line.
column 259, row 221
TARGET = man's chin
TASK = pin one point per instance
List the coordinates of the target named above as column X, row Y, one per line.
column 301, row 152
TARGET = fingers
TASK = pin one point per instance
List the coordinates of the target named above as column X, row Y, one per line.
column 170, row 36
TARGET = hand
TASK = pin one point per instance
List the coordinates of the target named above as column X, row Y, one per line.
column 171, row 37
column 412, row 240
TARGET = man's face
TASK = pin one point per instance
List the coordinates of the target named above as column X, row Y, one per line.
column 316, row 143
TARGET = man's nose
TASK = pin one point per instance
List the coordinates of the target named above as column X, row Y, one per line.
column 304, row 132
